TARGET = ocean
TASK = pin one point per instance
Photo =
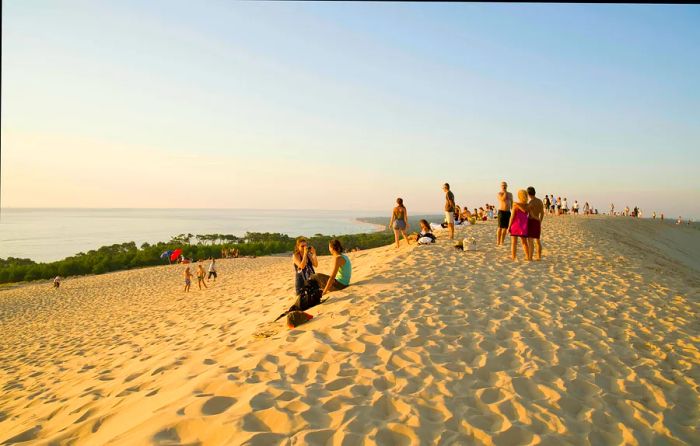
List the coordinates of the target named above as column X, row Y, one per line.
column 46, row 235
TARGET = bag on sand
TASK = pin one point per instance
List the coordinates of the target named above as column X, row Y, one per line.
column 469, row 244
column 296, row 318
column 309, row 296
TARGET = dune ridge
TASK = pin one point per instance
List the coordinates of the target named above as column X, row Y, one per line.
column 597, row 344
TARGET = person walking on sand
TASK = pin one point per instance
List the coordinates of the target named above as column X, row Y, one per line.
column 534, row 222
column 517, row 226
column 304, row 261
column 505, row 203
column 57, row 282
column 399, row 221
column 211, row 271
column 449, row 209
column 200, row 276
column 188, row 278
column 342, row 270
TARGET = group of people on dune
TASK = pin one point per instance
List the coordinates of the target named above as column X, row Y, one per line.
column 522, row 219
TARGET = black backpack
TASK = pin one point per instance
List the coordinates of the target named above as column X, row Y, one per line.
column 309, row 296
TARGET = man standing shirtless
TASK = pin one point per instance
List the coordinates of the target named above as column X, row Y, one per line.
column 505, row 203
column 534, row 222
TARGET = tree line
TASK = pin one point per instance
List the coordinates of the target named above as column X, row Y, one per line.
column 125, row 256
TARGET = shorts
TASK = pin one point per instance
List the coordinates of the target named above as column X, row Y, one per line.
column 399, row 224
column 322, row 280
column 211, row 273
column 503, row 219
column 187, row 281
column 534, row 228
column 450, row 217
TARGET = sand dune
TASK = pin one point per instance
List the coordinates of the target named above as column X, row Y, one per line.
column 597, row 344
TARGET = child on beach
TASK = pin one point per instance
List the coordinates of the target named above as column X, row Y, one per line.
column 517, row 226
column 200, row 276
column 212, row 269
column 188, row 279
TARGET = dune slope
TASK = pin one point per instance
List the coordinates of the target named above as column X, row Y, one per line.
column 597, row 344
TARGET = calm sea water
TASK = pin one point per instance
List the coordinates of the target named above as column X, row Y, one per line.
column 53, row 234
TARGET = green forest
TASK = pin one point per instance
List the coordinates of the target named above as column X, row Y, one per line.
column 197, row 247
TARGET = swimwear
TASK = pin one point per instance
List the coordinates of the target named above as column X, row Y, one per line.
column 503, row 219
column 211, row 273
column 519, row 226
column 187, row 281
column 534, row 228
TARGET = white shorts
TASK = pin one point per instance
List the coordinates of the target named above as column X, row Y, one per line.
column 449, row 217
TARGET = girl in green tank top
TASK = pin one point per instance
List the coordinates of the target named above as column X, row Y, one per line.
column 342, row 270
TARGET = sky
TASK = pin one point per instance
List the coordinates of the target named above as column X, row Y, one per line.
column 282, row 105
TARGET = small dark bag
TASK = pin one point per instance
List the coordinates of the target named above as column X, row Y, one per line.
column 309, row 296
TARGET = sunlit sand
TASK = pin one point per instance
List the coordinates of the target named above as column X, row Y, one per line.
column 596, row 344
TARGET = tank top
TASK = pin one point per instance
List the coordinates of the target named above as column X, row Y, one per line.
column 399, row 213
column 344, row 272
column 307, row 271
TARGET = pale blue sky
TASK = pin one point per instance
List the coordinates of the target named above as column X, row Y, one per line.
column 347, row 106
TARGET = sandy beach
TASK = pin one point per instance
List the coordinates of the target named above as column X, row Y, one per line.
column 599, row 343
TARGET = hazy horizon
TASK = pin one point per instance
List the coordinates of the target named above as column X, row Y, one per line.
column 344, row 106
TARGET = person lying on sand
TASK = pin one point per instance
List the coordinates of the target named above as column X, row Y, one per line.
column 342, row 270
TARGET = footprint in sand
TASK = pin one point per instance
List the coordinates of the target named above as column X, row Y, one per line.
column 217, row 405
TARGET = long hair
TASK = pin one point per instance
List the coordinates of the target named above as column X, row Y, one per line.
column 297, row 243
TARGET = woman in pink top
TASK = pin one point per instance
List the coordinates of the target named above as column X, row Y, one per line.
column 518, row 225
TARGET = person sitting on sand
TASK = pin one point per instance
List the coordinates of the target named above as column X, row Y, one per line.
column 200, row 276
column 425, row 236
column 399, row 221
column 304, row 260
column 465, row 215
column 342, row 270
column 534, row 223
column 188, row 278
column 57, row 282
column 517, row 226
